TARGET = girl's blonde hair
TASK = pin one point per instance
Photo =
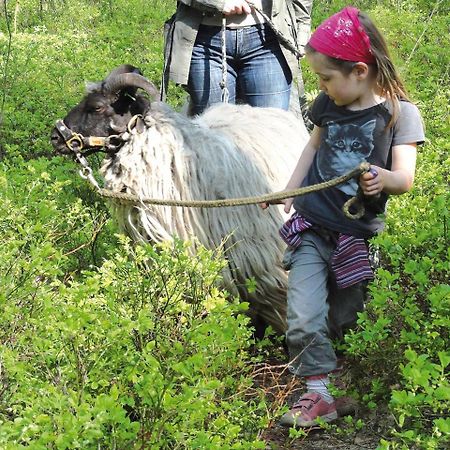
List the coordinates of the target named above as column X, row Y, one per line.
column 387, row 77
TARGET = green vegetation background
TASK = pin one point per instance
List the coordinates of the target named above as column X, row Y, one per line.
column 106, row 346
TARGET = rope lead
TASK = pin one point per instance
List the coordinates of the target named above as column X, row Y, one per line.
column 355, row 202
column 267, row 198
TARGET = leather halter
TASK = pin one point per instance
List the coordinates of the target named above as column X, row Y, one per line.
column 77, row 142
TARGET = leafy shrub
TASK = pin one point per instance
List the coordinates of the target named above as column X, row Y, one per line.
column 145, row 350
column 402, row 346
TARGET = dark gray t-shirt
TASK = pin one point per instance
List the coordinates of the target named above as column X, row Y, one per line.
column 349, row 138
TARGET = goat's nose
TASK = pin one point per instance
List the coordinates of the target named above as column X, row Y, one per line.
column 57, row 141
column 54, row 136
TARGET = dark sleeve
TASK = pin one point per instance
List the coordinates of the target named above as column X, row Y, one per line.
column 409, row 127
column 317, row 109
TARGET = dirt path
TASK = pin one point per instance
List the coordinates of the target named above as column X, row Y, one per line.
column 339, row 437
column 362, row 432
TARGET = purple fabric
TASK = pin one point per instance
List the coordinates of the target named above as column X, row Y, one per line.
column 350, row 260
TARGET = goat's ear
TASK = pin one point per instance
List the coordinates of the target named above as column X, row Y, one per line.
column 124, row 68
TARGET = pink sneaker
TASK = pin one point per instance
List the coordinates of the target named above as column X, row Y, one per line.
column 310, row 407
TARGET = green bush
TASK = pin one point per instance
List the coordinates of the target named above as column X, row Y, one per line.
column 402, row 343
column 143, row 350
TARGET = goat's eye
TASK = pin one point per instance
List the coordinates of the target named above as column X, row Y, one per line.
column 99, row 108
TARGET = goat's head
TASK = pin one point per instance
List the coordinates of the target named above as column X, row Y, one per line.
column 107, row 107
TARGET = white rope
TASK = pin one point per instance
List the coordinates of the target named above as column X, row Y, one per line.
column 223, row 84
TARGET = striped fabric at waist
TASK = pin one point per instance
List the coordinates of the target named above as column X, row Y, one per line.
column 350, row 259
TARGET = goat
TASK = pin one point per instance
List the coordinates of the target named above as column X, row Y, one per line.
column 228, row 151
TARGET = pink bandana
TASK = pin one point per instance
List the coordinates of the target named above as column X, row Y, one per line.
column 341, row 36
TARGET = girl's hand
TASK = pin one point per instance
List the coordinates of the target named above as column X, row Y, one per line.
column 236, row 7
column 287, row 204
column 372, row 182
column 396, row 181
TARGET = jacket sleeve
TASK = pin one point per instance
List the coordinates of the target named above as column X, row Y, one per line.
column 302, row 11
column 205, row 5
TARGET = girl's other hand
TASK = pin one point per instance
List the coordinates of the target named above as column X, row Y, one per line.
column 372, row 182
column 236, row 7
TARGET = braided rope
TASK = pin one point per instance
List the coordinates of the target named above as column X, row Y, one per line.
column 267, row 198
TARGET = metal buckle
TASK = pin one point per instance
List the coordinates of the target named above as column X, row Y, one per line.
column 75, row 138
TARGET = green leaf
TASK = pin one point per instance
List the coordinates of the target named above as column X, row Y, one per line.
column 444, row 358
column 442, row 393
column 443, row 425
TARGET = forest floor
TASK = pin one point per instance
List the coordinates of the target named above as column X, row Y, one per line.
column 282, row 388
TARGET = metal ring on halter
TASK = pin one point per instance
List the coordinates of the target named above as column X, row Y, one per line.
column 78, row 138
column 86, row 173
column 132, row 123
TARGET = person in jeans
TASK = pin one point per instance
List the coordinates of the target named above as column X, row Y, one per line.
column 261, row 69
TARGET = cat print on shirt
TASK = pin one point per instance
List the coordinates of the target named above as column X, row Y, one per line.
column 347, row 146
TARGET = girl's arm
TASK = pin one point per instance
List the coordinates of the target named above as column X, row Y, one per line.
column 396, row 181
column 302, row 167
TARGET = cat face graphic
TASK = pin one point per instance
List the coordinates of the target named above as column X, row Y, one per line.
column 347, row 146
column 351, row 138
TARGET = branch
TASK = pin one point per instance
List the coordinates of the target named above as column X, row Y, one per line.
column 436, row 6
column 8, row 55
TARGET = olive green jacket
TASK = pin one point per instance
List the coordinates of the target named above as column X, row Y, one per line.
column 291, row 17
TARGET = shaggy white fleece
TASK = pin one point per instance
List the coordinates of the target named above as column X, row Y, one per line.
column 229, row 151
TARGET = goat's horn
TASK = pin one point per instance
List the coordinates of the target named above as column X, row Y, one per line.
column 124, row 68
column 117, row 82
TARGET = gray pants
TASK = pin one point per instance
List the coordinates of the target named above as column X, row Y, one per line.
column 317, row 310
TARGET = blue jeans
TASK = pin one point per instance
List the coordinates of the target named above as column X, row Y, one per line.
column 257, row 71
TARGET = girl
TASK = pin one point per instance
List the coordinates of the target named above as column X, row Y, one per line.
column 362, row 114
